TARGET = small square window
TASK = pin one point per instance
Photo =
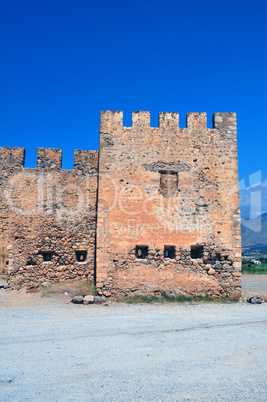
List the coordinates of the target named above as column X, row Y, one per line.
column 196, row 251
column 81, row 255
column 47, row 256
column 31, row 261
column 169, row 252
column 141, row 252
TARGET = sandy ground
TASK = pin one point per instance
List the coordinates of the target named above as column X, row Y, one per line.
column 54, row 350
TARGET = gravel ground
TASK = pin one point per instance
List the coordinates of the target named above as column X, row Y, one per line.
column 52, row 350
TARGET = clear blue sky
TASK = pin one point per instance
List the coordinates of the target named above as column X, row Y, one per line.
column 64, row 61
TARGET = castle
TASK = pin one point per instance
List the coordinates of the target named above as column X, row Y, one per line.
column 155, row 210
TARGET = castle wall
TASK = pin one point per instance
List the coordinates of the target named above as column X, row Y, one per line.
column 168, row 209
column 47, row 216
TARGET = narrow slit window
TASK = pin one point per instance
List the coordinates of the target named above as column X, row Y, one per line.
column 196, row 251
column 81, row 255
column 169, row 252
column 10, row 159
column 168, row 183
column 141, row 252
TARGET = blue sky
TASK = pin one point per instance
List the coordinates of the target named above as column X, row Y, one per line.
column 64, row 61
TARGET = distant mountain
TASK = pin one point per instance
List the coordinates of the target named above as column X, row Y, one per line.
column 254, row 234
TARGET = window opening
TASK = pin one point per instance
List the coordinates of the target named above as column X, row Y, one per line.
column 169, row 252
column 196, row 251
column 47, row 256
column 168, row 183
column 31, row 261
column 81, row 255
column 141, row 252
column 10, row 159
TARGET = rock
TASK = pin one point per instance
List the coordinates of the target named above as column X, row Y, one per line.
column 225, row 274
column 211, row 271
column 46, row 284
column 256, row 300
column 89, row 299
column 32, row 286
column 77, row 299
column 237, row 274
column 237, row 264
column 97, row 299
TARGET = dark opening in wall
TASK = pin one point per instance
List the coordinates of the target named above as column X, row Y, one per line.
column 7, row 262
column 31, row 261
column 47, row 255
column 169, row 252
column 196, row 251
column 141, row 252
column 168, row 183
column 81, row 255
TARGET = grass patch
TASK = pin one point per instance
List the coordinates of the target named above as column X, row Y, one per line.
column 165, row 298
column 71, row 287
column 249, row 267
column 254, row 270
column 4, row 276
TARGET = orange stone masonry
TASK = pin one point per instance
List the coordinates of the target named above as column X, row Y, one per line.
column 163, row 188
column 155, row 210
column 48, row 216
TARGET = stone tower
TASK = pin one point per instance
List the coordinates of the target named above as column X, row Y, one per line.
column 168, row 206
column 155, row 210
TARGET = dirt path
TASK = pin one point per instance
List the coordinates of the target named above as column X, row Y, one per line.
column 54, row 350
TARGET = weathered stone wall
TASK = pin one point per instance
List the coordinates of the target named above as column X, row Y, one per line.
column 165, row 199
column 168, row 209
column 47, row 216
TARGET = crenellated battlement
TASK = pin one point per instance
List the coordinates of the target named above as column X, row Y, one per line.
column 12, row 156
column 48, row 159
column 113, row 120
column 155, row 210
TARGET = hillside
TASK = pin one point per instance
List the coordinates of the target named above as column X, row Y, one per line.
column 254, row 234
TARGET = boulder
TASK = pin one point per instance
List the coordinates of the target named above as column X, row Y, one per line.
column 89, row 299
column 32, row 286
column 46, row 284
column 256, row 300
column 97, row 299
column 77, row 299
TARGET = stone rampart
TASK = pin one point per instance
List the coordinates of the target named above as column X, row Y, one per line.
column 48, row 215
column 155, row 210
